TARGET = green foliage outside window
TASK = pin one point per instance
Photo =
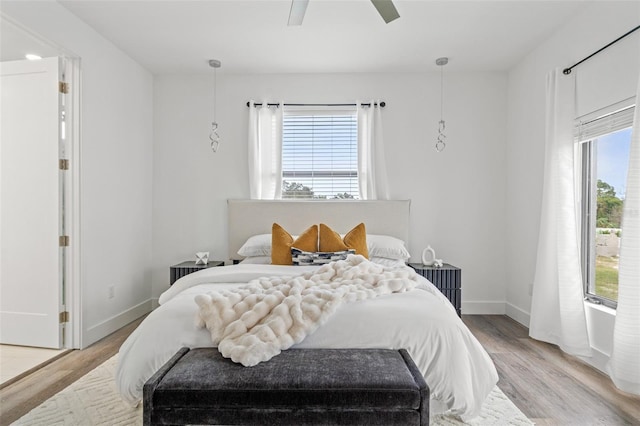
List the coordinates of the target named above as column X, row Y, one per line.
column 609, row 210
column 607, row 277
column 609, row 207
column 298, row 190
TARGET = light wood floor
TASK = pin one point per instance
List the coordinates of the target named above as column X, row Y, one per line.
column 550, row 387
column 547, row 385
column 20, row 397
column 16, row 361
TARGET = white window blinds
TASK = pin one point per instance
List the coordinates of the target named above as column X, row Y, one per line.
column 320, row 153
column 590, row 128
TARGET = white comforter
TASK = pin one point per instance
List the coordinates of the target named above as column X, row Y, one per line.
column 457, row 369
column 253, row 323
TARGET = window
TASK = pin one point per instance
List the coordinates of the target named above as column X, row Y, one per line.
column 320, row 153
column 605, row 143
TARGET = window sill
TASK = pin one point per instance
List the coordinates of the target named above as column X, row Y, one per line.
column 601, row 308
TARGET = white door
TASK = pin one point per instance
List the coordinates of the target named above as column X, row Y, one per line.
column 30, row 256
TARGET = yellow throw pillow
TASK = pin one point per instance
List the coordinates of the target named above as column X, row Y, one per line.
column 355, row 239
column 330, row 240
column 282, row 241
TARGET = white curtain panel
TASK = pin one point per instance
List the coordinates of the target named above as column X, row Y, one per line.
column 372, row 169
column 265, row 149
column 624, row 364
column 557, row 307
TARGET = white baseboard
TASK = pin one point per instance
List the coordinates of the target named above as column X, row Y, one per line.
column 154, row 303
column 518, row 314
column 483, row 308
column 108, row 326
column 598, row 361
column 496, row 308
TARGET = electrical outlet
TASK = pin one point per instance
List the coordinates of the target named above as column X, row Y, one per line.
column 112, row 292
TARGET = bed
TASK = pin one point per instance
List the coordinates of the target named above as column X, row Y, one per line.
column 458, row 371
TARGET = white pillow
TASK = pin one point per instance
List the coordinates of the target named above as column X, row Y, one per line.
column 386, row 246
column 385, row 261
column 258, row 260
column 257, row 245
column 378, row 246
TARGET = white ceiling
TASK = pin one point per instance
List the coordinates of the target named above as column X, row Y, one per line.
column 252, row 36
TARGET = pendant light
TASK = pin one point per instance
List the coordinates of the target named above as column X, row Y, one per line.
column 440, row 143
column 214, row 137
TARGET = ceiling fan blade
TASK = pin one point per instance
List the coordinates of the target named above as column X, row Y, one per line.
column 386, row 9
column 298, row 9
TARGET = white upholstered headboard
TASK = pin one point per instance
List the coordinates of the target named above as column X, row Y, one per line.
column 253, row 217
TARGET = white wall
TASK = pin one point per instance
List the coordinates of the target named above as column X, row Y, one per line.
column 116, row 170
column 489, row 175
column 609, row 77
column 457, row 195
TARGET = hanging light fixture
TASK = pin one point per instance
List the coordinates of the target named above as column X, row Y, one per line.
column 440, row 143
column 214, row 137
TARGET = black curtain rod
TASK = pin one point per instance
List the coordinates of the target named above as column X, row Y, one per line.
column 382, row 104
column 567, row 71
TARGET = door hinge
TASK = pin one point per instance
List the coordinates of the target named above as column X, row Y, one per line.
column 64, row 240
column 64, row 317
column 63, row 87
column 64, row 164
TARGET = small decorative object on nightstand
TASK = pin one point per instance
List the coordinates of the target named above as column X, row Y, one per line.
column 447, row 278
column 185, row 268
column 429, row 258
column 202, row 258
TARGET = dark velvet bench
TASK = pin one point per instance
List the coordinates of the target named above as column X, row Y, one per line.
column 297, row 387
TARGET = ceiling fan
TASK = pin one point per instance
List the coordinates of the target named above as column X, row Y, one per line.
column 385, row 8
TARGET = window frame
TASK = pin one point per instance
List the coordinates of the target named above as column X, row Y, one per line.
column 287, row 175
column 587, row 131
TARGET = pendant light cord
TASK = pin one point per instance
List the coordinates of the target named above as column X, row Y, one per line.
column 215, row 92
column 214, row 137
column 441, row 93
column 440, row 143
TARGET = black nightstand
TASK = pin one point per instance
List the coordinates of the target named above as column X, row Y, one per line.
column 185, row 268
column 447, row 278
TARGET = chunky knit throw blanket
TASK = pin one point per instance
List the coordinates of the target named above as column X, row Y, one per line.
column 254, row 323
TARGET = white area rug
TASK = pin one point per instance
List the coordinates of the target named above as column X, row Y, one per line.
column 93, row 400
